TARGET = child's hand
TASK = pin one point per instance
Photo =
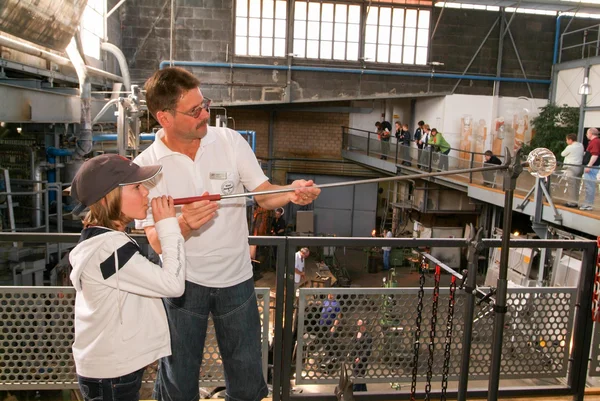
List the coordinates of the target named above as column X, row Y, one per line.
column 162, row 208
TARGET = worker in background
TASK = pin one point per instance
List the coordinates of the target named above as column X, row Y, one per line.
column 299, row 275
column 441, row 146
column 489, row 177
column 573, row 158
column 198, row 159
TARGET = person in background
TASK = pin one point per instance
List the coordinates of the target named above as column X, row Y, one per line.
column 386, row 250
column 120, row 322
column 299, row 275
column 591, row 159
column 419, row 133
column 489, row 177
column 441, row 146
column 403, row 136
column 573, row 158
column 362, row 345
column 423, row 145
column 278, row 223
column 384, row 133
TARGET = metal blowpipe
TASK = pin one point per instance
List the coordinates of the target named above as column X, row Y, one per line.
column 217, row 197
column 541, row 162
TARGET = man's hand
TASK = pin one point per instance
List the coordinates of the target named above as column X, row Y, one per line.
column 305, row 193
column 196, row 214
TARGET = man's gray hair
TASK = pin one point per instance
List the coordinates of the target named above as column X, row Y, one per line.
column 593, row 131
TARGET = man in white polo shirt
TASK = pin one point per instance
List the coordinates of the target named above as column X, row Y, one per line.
column 196, row 160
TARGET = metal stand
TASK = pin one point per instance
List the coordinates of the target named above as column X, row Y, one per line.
column 509, row 185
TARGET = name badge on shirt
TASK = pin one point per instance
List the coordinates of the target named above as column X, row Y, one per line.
column 218, row 175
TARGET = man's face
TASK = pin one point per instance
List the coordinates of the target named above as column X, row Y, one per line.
column 186, row 125
column 569, row 141
column 397, row 126
column 487, row 158
column 277, row 214
column 589, row 134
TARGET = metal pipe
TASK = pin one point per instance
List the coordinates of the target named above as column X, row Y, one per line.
column 105, row 109
column 34, row 51
column 357, row 71
column 216, row 197
column 115, row 51
column 84, row 143
column 556, row 40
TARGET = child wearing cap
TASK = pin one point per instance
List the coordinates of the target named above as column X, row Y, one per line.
column 120, row 322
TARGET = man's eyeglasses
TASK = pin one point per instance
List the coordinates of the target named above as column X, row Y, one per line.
column 195, row 113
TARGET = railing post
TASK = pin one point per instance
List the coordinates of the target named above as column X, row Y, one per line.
column 430, row 150
column 290, row 296
column 471, row 166
column 397, row 146
column 583, row 325
column 278, row 359
column 368, row 142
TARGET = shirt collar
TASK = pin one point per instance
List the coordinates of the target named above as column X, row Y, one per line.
column 163, row 150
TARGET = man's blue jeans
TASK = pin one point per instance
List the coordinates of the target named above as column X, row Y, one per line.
column 590, row 186
column 124, row 388
column 237, row 325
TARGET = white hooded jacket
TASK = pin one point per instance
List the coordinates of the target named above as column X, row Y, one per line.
column 120, row 321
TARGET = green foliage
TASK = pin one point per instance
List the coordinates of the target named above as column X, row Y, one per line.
column 552, row 126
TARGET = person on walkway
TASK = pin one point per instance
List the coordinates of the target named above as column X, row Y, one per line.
column 423, row 145
column 573, row 159
column 386, row 250
column 591, row 159
column 489, row 177
column 198, row 159
column 384, row 132
column 299, row 273
column 441, row 146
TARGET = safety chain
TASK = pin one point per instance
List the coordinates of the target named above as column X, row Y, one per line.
column 417, row 343
column 451, row 302
column 434, row 305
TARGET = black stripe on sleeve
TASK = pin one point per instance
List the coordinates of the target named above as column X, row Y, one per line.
column 124, row 253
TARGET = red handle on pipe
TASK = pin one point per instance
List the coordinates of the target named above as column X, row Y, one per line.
column 192, row 199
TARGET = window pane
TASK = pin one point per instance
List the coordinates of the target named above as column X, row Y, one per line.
column 280, row 10
column 409, row 55
column 385, row 16
column 422, row 37
column 254, row 27
column 340, row 12
column 372, row 16
column 384, row 35
column 254, row 46
column 340, row 31
column 352, row 52
column 241, row 9
column 267, row 27
column 300, row 11
column 423, row 18
column 354, row 15
column 255, row 8
column 411, row 18
column 299, row 30
column 267, row 11
column 327, row 12
column 371, row 34
column 280, row 28
column 312, row 48
column 313, row 30
column 299, row 48
column 396, row 54
column 91, row 44
column 409, row 36
column 421, row 56
column 279, row 48
column 383, row 52
column 398, row 17
column 326, row 31
column 353, row 30
column 314, row 11
column 397, row 36
column 339, row 50
column 369, row 52
column 241, row 26
column 240, row 45
column 267, row 47
column 326, row 47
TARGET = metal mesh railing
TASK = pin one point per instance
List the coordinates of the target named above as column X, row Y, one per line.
column 37, row 332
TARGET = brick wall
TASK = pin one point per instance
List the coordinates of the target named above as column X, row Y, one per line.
column 297, row 134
